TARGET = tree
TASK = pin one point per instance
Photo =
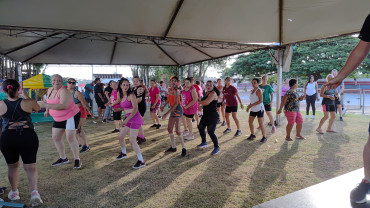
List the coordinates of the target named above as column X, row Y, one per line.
column 202, row 67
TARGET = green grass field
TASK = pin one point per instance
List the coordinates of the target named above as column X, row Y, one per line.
column 244, row 174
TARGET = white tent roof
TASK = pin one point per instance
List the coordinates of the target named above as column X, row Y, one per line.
column 165, row 32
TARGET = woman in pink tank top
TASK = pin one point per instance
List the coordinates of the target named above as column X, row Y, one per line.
column 189, row 102
column 66, row 117
column 155, row 103
column 114, row 103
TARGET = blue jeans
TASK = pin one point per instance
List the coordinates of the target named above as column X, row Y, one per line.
column 107, row 113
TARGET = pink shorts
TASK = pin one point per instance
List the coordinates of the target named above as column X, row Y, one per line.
column 135, row 122
column 293, row 117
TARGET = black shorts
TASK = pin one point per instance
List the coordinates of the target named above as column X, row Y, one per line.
column 100, row 103
column 117, row 115
column 219, row 105
column 13, row 144
column 230, row 109
column 337, row 101
column 189, row 116
column 259, row 114
column 328, row 108
column 70, row 124
column 267, row 107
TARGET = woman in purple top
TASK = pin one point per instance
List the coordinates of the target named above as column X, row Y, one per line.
column 285, row 88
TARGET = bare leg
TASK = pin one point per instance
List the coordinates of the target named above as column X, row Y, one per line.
column 339, row 107
column 31, row 171
column 81, row 133
column 116, row 124
column 152, row 115
column 184, row 123
column 271, row 117
column 196, row 118
column 260, row 122
column 223, row 111
column 133, row 136
column 236, row 120
column 57, row 135
column 189, row 124
column 71, row 138
column 322, row 121
column 331, row 120
column 289, row 128
column 228, row 120
column 121, row 136
column 298, row 128
column 171, row 124
column 251, row 126
column 178, row 131
column 13, row 175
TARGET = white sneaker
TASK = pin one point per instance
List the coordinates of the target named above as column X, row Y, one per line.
column 306, row 116
column 312, row 116
column 189, row 137
column 36, row 199
column 185, row 133
column 14, row 195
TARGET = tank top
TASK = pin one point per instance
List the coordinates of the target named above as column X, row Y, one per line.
column 254, row 98
column 62, row 115
column 113, row 98
column 126, row 105
column 284, row 89
column 75, row 100
column 211, row 108
column 328, row 101
column 15, row 113
column 171, row 99
column 186, row 98
column 311, row 89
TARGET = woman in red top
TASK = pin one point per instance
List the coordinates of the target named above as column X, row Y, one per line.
column 155, row 103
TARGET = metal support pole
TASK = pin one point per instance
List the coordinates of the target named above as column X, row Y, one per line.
column 179, row 72
column 279, row 83
column 19, row 69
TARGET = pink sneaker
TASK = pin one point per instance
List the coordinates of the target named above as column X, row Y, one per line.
column 36, row 199
column 273, row 129
column 14, row 195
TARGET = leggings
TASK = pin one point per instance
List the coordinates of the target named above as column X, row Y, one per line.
column 210, row 123
column 310, row 100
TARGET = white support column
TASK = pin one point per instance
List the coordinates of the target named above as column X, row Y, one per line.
column 180, row 72
column 279, row 83
column 19, row 70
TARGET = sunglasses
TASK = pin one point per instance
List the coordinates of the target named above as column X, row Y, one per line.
column 71, row 82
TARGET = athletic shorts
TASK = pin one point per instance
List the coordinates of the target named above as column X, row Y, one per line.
column 259, row 114
column 177, row 112
column 100, row 103
column 69, row 124
column 267, row 107
column 230, row 109
column 135, row 122
column 117, row 115
column 13, row 145
column 189, row 116
column 219, row 105
column 88, row 100
column 337, row 101
column 328, row 108
column 83, row 112
column 155, row 108
column 293, row 117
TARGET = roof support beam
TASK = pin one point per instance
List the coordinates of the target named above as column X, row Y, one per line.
column 199, row 50
column 173, row 18
column 29, row 44
column 166, row 53
column 113, row 51
column 281, row 22
column 43, row 51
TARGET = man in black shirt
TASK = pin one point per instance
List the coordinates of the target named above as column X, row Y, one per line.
column 99, row 99
column 108, row 110
column 359, row 53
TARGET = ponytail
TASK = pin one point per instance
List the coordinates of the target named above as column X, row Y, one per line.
column 10, row 87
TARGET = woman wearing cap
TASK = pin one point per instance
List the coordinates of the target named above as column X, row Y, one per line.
column 66, row 117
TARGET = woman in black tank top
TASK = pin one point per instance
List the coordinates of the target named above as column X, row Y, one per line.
column 210, row 117
column 19, row 139
column 139, row 92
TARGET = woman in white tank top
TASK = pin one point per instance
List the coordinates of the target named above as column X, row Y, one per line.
column 257, row 109
column 311, row 92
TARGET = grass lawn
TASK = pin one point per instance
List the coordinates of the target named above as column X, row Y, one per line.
column 244, row 174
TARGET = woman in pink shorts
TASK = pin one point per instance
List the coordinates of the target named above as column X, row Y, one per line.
column 131, row 124
column 291, row 110
column 155, row 103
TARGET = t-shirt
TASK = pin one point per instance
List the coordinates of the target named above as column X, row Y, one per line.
column 199, row 90
column 87, row 92
column 292, row 103
column 267, row 89
column 98, row 89
column 153, row 95
column 229, row 95
column 365, row 30
column 142, row 104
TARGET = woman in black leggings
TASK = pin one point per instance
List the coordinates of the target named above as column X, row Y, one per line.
column 19, row 139
column 210, row 117
column 311, row 93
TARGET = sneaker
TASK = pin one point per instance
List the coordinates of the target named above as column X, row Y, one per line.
column 78, row 164
column 273, row 129
column 159, row 126
column 115, row 131
column 227, row 131
column 139, row 164
column 218, row 122
column 358, row 194
column 189, row 137
column 2, row 190
column 238, row 133
column 121, row 156
column 104, row 121
column 85, row 149
column 94, row 122
column 251, row 137
column 171, row 149
column 223, row 123
column 313, row 116
column 263, row 140
column 183, row 152
column 80, row 146
column 307, row 116
column 203, row 145
column 341, row 118
column 140, row 140
column 153, row 126
column 35, row 199
column 215, row 151
column 14, row 195
column 60, row 161
column 269, row 124
column 185, row 133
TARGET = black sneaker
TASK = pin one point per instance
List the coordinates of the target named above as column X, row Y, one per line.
column 171, row 149
column 159, row 126
column 223, row 123
column 80, row 146
column 2, row 190
column 238, row 133
column 139, row 164
column 140, row 140
column 358, row 194
column 104, row 121
column 60, row 161
column 78, row 164
column 121, row 156
column 115, row 131
column 341, row 118
column 227, row 131
column 264, row 139
column 251, row 137
column 153, row 126
column 183, row 152
column 85, row 149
